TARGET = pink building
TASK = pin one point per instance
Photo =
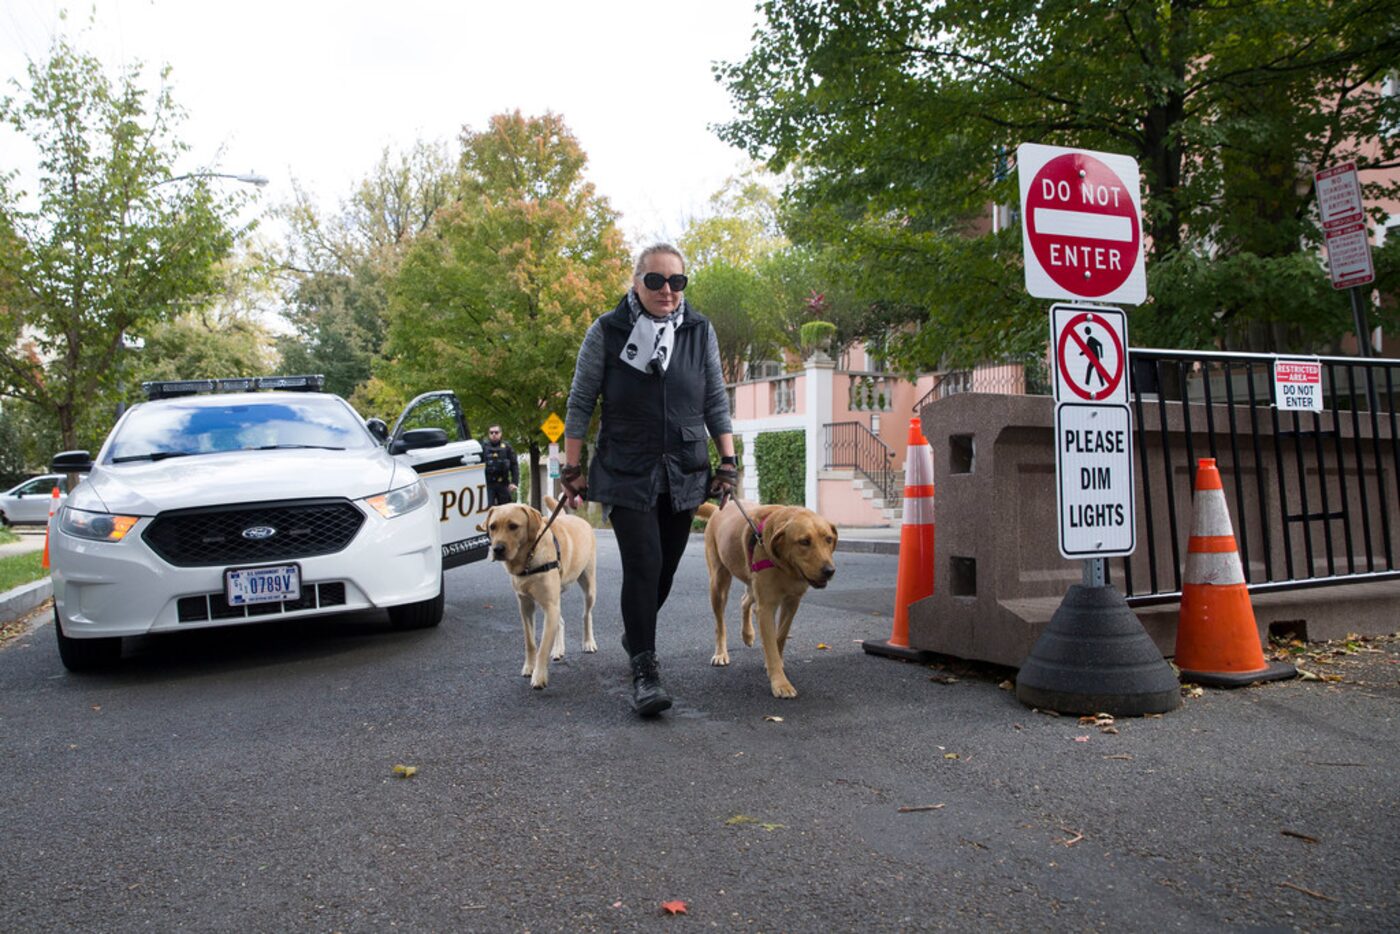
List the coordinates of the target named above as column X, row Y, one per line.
column 855, row 420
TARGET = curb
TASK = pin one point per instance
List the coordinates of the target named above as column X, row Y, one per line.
column 868, row 546
column 21, row 601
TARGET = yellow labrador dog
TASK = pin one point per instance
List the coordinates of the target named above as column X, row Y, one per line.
column 566, row 554
column 794, row 553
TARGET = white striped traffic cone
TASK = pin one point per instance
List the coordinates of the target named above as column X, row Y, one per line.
column 1217, row 637
column 915, row 581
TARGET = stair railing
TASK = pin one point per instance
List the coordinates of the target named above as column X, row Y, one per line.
column 852, row 446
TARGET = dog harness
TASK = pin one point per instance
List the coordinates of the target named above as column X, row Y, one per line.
column 756, row 539
column 548, row 565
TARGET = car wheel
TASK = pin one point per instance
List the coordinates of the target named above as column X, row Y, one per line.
column 4, row 520
column 86, row 654
column 422, row 615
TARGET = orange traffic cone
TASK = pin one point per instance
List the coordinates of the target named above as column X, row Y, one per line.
column 1217, row 638
column 915, row 581
column 53, row 508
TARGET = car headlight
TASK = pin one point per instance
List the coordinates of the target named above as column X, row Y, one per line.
column 397, row 502
column 95, row 526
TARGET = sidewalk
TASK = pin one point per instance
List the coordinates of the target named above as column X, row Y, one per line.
column 880, row 541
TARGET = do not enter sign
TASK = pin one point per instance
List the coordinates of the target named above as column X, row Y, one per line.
column 1081, row 224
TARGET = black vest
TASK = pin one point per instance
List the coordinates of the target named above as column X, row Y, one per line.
column 649, row 419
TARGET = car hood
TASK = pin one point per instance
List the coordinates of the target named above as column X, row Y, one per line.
column 145, row 488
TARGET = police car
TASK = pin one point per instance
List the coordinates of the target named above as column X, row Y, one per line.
column 221, row 502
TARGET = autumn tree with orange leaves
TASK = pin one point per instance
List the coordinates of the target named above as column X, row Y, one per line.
column 494, row 299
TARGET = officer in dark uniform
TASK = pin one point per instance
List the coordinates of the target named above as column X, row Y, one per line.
column 502, row 468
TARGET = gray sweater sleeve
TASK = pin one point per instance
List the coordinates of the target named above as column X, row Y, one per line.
column 716, row 396
column 588, row 382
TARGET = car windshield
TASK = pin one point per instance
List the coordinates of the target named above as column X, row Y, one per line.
column 181, row 427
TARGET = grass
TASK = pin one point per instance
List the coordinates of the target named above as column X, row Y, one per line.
column 7, row 537
column 21, row 569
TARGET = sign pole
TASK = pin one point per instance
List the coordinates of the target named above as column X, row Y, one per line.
column 1095, row 572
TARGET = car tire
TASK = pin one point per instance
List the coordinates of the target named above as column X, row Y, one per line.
column 424, row 614
column 86, row 654
column 4, row 520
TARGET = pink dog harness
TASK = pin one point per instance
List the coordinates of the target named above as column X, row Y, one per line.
column 755, row 539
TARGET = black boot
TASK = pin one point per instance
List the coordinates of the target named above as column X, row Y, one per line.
column 649, row 698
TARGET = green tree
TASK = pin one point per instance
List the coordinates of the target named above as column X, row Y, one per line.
column 899, row 121
column 112, row 241
column 495, row 299
column 338, row 265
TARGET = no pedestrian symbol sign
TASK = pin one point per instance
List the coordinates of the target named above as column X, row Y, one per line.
column 1081, row 226
column 1090, row 345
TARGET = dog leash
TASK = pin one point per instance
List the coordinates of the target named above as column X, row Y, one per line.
column 558, row 507
column 766, row 563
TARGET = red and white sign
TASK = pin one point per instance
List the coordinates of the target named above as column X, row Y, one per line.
column 1298, row 385
column 1081, row 224
column 1344, row 226
column 1090, row 344
column 1338, row 195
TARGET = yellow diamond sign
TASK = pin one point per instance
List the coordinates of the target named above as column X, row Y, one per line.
column 553, row 427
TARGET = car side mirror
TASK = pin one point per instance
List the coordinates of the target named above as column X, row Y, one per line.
column 417, row 438
column 377, row 428
column 72, row 462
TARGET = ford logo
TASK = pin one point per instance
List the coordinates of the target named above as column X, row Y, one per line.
column 259, row 532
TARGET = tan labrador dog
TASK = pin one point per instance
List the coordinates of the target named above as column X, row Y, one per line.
column 794, row 554
column 566, row 554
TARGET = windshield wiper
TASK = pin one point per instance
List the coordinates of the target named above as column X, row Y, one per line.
column 152, row 456
column 279, row 447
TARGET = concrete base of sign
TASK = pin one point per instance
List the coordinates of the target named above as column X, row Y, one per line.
column 1093, row 657
column 1006, row 638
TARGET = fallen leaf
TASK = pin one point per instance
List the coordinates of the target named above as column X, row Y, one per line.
column 951, row 755
column 741, row 819
column 943, row 679
column 1192, row 690
column 1301, row 836
column 673, row 908
column 1075, row 838
column 1007, row 685
column 405, row 771
column 911, row 808
column 1112, row 730
column 96, row 706
column 772, row 719
column 823, row 645
column 1081, row 739
column 1127, row 758
column 488, row 606
column 617, row 904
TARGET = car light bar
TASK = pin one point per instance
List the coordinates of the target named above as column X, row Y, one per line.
column 174, row 388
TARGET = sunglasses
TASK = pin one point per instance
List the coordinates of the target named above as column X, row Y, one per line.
column 655, row 280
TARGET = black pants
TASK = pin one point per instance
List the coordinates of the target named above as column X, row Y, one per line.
column 498, row 494
column 651, row 542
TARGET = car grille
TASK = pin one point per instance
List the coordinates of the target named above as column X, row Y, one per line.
column 206, row 606
column 214, row 535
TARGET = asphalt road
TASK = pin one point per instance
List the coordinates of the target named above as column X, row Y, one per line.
column 242, row 780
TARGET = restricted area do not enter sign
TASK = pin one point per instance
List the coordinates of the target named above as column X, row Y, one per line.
column 1081, row 224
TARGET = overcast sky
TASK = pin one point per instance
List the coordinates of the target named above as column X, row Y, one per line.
column 314, row 90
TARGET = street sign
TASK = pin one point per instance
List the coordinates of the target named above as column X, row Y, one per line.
column 1343, row 217
column 553, row 427
column 1298, row 385
column 1090, row 344
column 1081, row 227
column 1094, row 473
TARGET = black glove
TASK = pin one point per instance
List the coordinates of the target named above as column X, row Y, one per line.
column 573, row 481
column 725, row 480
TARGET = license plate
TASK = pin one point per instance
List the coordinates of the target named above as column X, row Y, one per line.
column 273, row 584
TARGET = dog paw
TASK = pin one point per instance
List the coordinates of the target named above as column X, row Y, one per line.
column 539, row 681
column 590, row 646
column 720, row 659
column 783, row 688
column 747, row 633
column 527, row 670
column 556, row 655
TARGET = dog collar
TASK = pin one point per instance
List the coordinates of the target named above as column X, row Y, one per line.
column 548, row 565
column 755, row 539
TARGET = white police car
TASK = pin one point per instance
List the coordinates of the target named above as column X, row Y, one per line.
column 229, row 501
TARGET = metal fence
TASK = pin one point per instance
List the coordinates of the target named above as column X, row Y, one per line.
column 853, row 446
column 1314, row 496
